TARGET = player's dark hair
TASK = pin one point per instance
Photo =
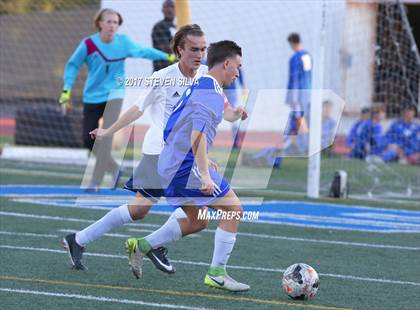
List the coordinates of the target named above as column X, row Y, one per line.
column 293, row 38
column 179, row 39
column 365, row 110
column 220, row 51
column 410, row 108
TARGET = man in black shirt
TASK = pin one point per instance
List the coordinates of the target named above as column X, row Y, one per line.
column 163, row 32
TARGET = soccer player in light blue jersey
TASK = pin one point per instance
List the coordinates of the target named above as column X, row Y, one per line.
column 187, row 177
column 104, row 54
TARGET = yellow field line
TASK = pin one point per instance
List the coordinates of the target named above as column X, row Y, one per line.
column 171, row 292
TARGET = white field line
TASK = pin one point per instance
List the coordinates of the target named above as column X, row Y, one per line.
column 260, row 221
column 345, row 243
column 98, row 298
column 326, row 219
column 331, row 226
column 66, row 219
column 108, row 235
column 330, row 275
column 12, row 233
column 313, row 219
column 61, row 175
column 334, row 227
column 112, row 235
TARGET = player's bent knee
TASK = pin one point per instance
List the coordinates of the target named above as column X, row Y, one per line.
column 202, row 224
column 197, row 224
column 236, row 205
column 138, row 212
column 239, row 210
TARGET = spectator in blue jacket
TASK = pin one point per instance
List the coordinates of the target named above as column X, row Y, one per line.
column 355, row 129
column 403, row 138
column 369, row 140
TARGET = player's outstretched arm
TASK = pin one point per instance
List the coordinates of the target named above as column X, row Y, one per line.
column 138, row 51
column 199, row 148
column 127, row 118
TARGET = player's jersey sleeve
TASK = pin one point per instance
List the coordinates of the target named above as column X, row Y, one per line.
column 292, row 85
column 201, row 118
column 306, row 62
column 73, row 65
column 305, row 77
column 205, row 111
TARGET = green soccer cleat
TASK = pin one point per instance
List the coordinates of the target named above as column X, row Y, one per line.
column 135, row 257
column 219, row 279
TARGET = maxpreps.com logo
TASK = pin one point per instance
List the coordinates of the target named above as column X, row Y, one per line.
column 204, row 214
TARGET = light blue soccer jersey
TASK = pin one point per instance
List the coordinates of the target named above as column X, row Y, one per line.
column 106, row 66
column 200, row 108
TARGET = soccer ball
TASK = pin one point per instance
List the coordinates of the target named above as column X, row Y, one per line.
column 300, row 281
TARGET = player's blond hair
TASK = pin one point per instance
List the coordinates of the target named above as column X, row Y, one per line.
column 100, row 15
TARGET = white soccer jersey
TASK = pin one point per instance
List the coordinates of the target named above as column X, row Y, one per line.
column 169, row 85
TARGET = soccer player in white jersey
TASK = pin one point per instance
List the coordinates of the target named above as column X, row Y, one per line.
column 184, row 167
column 189, row 45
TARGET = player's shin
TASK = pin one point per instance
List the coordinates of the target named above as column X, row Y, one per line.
column 169, row 232
column 109, row 221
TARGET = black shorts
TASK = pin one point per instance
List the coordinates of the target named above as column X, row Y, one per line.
column 146, row 179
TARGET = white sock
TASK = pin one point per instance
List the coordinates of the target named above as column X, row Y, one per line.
column 223, row 245
column 114, row 218
column 168, row 232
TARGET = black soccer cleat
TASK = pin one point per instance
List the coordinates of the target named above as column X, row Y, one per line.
column 75, row 251
column 160, row 260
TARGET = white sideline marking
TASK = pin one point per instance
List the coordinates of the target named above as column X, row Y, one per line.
column 347, row 277
column 72, row 176
column 107, row 235
column 59, row 218
column 360, row 244
column 12, row 233
column 326, row 219
column 98, row 298
column 389, row 217
column 397, row 227
column 367, row 245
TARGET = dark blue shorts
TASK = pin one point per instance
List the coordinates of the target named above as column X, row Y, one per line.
column 145, row 179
